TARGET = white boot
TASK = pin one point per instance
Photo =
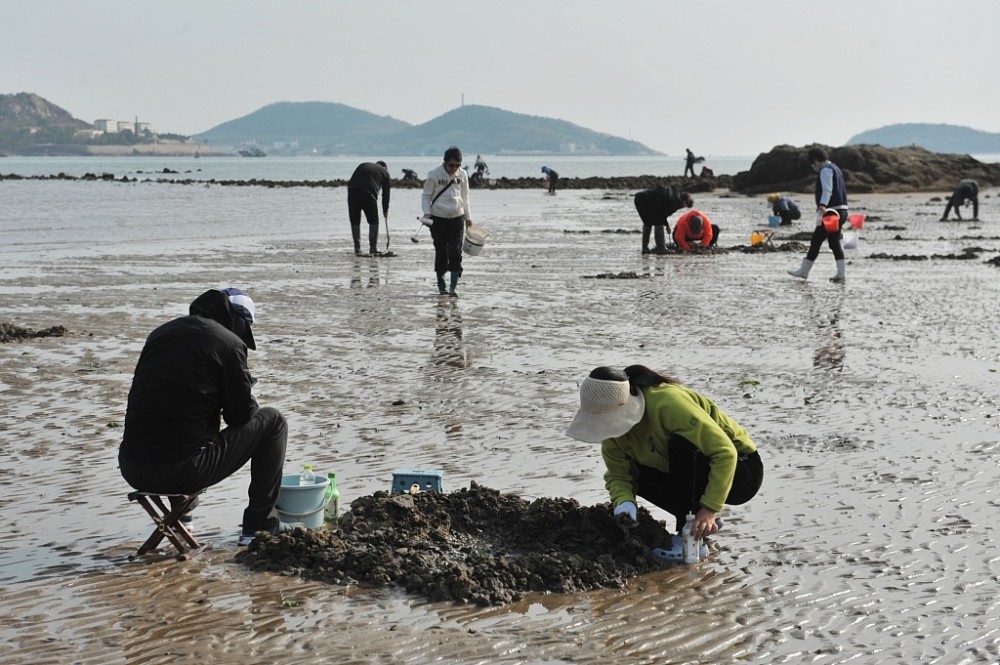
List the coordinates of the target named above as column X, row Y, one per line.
column 841, row 275
column 803, row 270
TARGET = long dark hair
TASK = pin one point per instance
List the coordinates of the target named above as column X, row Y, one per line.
column 640, row 376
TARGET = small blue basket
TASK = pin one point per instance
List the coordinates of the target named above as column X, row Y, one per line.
column 426, row 480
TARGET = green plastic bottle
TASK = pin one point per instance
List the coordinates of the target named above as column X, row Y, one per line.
column 331, row 501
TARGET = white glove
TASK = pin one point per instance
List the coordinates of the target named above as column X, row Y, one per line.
column 426, row 220
column 626, row 508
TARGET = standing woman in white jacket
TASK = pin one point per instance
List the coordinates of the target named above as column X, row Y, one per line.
column 446, row 202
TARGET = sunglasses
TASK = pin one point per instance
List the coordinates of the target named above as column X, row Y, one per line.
column 453, row 165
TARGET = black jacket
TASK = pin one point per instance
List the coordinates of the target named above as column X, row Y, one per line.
column 372, row 178
column 190, row 371
column 660, row 202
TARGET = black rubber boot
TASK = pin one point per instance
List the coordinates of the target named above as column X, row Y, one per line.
column 373, row 239
column 661, row 243
column 454, row 284
column 645, row 238
column 356, row 233
column 442, row 289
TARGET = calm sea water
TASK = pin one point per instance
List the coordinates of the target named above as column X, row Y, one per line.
column 331, row 168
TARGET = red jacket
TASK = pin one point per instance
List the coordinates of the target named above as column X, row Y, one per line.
column 683, row 235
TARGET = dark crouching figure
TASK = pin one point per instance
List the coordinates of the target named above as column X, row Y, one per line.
column 190, row 371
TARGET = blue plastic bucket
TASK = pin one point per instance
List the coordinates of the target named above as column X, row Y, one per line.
column 299, row 500
column 773, row 220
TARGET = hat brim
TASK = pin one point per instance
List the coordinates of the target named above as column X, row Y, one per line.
column 596, row 427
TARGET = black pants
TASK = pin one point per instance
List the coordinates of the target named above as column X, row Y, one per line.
column 448, row 235
column 788, row 216
column 832, row 239
column 553, row 179
column 358, row 201
column 261, row 441
column 679, row 491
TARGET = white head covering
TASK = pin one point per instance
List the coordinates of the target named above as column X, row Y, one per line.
column 607, row 408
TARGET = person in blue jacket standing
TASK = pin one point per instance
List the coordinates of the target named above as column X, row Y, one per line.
column 831, row 194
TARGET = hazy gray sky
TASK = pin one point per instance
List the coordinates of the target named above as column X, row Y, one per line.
column 724, row 77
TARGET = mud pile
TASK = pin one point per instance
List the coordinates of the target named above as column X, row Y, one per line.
column 11, row 333
column 474, row 545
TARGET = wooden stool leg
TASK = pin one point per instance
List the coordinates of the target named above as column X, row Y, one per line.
column 167, row 520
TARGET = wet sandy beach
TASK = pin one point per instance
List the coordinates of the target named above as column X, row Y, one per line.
column 874, row 405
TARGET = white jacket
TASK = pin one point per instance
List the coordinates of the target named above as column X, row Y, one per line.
column 455, row 200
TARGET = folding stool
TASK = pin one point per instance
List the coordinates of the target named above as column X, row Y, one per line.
column 168, row 522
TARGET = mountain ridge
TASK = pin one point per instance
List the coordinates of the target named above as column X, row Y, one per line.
column 933, row 137
column 476, row 128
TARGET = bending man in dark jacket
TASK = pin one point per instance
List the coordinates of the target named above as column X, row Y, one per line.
column 654, row 207
column 967, row 190
column 362, row 195
column 190, row 370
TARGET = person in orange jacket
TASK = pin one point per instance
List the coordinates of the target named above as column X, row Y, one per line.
column 695, row 227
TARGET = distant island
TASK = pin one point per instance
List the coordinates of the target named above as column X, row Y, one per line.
column 31, row 125
column 335, row 129
column 936, row 138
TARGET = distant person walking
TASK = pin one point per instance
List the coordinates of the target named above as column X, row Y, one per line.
column 363, row 188
column 446, row 202
column 966, row 192
column 689, row 162
column 695, row 231
column 785, row 208
column 831, row 195
column 655, row 207
column 552, row 177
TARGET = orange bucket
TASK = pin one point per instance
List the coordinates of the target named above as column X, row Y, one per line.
column 857, row 221
column 831, row 221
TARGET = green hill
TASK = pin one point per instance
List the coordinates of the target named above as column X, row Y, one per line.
column 297, row 127
column 27, row 119
column 936, row 138
column 489, row 130
column 325, row 126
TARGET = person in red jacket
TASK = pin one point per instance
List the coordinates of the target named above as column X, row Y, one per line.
column 695, row 231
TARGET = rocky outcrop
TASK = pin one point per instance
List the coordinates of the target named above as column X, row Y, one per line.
column 867, row 169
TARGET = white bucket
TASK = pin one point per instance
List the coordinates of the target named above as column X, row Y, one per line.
column 475, row 238
column 850, row 240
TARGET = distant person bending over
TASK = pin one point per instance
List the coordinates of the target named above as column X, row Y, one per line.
column 362, row 195
column 831, row 194
column 552, row 177
column 785, row 208
column 446, row 202
column 655, row 207
column 481, row 166
column 695, row 231
column 966, row 192
column 409, row 175
column 689, row 162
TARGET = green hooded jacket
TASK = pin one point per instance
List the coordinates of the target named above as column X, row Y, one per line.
column 675, row 409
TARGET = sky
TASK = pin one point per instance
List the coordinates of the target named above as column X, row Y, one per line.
column 726, row 77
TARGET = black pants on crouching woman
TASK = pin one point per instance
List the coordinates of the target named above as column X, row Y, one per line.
column 678, row 492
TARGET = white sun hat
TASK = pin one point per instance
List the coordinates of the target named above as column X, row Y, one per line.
column 607, row 407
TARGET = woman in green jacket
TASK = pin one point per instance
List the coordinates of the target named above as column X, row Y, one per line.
column 668, row 444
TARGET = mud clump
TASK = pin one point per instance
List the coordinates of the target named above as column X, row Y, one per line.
column 11, row 333
column 474, row 545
